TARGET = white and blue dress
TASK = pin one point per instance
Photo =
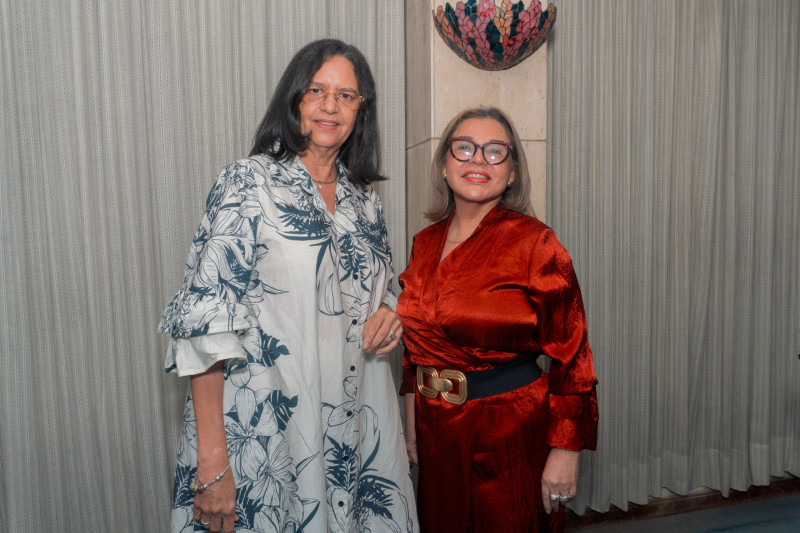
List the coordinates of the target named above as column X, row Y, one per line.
column 280, row 289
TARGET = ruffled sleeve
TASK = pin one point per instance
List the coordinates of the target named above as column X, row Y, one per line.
column 195, row 355
column 562, row 334
column 220, row 264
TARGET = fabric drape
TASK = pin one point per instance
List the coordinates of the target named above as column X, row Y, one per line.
column 115, row 119
column 674, row 181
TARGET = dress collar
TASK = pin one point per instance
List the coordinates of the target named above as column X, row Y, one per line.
column 303, row 178
column 496, row 212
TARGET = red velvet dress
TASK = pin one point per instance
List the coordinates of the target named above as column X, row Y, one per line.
column 507, row 292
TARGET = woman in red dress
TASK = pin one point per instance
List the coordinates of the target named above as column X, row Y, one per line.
column 488, row 290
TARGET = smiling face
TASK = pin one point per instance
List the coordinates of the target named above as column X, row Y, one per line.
column 328, row 123
column 475, row 183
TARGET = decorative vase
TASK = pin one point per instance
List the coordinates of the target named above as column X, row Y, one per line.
column 494, row 34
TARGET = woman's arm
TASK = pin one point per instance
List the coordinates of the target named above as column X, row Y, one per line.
column 563, row 337
column 217, row 504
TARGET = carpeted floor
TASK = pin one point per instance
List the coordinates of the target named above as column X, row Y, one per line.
column 773, row 515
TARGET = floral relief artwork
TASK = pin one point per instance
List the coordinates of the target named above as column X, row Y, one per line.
column 494, row 34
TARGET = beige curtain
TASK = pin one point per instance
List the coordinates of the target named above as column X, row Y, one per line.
column 674, row 181
column 115, row 117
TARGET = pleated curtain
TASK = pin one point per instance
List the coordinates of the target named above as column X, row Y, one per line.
column 674, row 181
column 115, row 118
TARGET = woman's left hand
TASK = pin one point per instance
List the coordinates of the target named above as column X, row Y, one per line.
column 559, row 479
column 382, row 331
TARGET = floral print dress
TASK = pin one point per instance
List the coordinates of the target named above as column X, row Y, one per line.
column 312, row 421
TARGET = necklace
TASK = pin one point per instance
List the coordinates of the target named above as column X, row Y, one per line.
column 458, row 234
column 452, row 229
column 321, row 183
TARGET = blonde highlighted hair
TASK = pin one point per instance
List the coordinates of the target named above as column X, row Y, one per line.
column 516, row 197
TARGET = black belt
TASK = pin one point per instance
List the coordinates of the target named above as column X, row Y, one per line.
column 477, row 384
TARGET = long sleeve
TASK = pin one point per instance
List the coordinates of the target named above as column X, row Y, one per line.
column 408, row 379
column 562, row 335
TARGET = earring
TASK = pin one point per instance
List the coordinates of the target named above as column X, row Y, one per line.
column 509, row 183
column 444, row 175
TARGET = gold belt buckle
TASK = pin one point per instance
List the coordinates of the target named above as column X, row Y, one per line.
column 442, row 383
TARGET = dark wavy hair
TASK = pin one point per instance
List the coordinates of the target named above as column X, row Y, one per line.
column 279, row 134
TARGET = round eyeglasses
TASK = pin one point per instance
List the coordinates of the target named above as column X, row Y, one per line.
column 494, row 153
column 346, row 98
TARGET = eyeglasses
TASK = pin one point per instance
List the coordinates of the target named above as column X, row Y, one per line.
column 346, row 98
column 494, row 153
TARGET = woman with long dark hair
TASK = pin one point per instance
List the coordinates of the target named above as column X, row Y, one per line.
column 284, row 321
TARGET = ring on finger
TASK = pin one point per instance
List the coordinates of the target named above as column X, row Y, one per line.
column 392, row 335
column 565, row 499
column 554, row 497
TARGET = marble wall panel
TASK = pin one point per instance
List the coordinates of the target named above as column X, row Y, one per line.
column 536, row 153
column 418, row 190
column 520, row 91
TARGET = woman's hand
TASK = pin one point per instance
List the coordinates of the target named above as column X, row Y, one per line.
column 411, row 429
column 560, row 478
column 382, row 331
column 215, row 506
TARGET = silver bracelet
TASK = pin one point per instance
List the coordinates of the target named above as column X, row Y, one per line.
column 196, row 488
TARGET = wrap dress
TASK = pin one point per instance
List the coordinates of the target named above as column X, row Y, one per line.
column 508, row 292
column 312, row 424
